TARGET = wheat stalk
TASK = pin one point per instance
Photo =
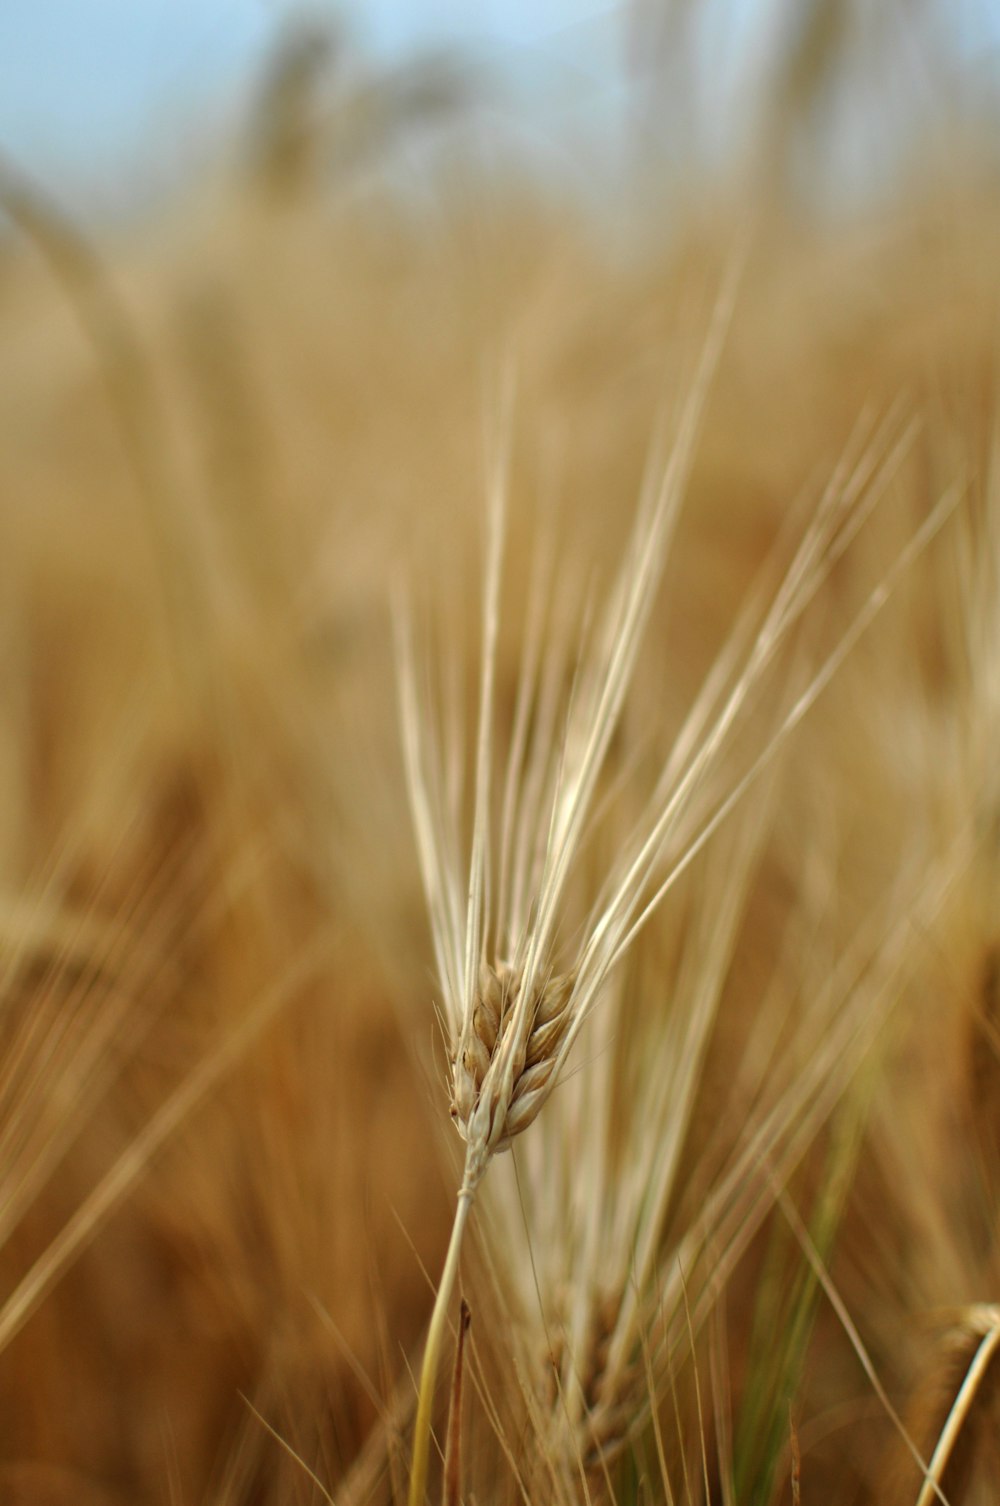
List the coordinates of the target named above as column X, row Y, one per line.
column 595, row 1182
column 520, row 966
column 978, row 1340
column 512, row 1015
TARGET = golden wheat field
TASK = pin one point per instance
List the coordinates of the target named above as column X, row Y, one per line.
column 499, row 801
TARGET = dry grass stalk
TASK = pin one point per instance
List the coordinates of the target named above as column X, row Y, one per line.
column 451, row 1493
column 795, row 1472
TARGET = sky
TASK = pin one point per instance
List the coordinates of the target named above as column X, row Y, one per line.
column 110, row 100
column 94, row 91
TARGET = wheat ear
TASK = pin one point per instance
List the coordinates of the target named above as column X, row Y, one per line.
column 513, row 1017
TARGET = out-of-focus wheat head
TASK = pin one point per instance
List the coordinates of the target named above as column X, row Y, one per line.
column 933, row 1138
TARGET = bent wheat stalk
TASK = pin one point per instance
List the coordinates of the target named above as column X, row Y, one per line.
column 980, row 1323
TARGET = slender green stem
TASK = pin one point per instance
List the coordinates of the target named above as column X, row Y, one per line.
column 432, row 1352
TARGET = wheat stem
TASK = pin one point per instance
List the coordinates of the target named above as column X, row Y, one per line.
column 432, row 1351
column 960, row 1410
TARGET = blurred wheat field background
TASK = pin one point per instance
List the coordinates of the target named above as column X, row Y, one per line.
column 251, row 444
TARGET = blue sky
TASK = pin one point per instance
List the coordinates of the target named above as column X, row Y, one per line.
column 107, row 100
column 92, row 91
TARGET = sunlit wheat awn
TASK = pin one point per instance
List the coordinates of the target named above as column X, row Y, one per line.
column 513, row 1015
column 513, row 1001
column 512, row 1011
